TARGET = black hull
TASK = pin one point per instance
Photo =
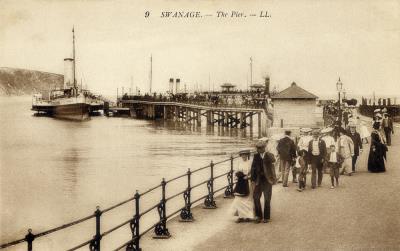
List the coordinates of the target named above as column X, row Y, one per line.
column 78, row 111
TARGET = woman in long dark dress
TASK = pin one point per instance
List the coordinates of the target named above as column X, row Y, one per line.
column 377, row 152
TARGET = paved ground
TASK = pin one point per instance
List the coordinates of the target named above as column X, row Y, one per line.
column 362, row 214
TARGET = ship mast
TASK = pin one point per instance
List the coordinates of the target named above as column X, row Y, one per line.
column 251, row 71
column 151, row 71
column 73, row 55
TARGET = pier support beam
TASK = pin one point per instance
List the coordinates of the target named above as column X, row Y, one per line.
column 259, row 125
column 237, row 121
column 198, row 117
column 242, row 120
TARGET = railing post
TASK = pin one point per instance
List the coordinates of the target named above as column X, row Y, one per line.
column 186, row 215
column 29, row 239
column 209, row 202
column 161, row 229
column 229, row 189
column 95, row 243
column 134, row 225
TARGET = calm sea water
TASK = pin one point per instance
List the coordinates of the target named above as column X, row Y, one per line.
column 55, row 171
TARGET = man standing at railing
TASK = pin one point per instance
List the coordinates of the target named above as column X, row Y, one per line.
column 262, row 178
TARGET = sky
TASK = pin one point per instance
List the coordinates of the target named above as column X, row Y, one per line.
column 312, row 43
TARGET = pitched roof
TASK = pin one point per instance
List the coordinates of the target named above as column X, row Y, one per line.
column 294, row 92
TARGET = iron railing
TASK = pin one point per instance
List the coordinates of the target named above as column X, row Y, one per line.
column 159, row 227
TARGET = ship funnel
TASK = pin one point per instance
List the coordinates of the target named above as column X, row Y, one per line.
column 171, row 85
column 68, row 73
column 267, row 85
column 177, row 85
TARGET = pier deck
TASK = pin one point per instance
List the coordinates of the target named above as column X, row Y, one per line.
column 229, row 117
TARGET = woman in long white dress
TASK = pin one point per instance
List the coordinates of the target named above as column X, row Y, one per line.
column 243, row 206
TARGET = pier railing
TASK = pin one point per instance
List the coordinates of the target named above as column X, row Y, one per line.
column 250, row 104
column 160, row 226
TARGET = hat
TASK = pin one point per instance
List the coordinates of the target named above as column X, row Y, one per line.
column 377, row 110
column 315, row 132
column 384, row 110
column 327, row 130
column 378, row 115
column 265, row 139
column 260, row 144
column 277, row 137
column 305, row 130
column 244, row 152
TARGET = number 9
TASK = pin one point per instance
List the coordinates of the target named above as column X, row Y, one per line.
column 147, row 14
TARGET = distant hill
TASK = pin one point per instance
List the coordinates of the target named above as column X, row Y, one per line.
column 15, row 81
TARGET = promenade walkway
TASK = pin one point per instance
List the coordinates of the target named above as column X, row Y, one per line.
column 362, row 214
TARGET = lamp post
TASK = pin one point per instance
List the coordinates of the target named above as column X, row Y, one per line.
column 339, row 86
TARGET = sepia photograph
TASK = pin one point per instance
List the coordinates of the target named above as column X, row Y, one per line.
column 200, row 125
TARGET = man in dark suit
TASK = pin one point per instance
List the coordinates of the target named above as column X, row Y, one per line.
column 287, row 154
column 356, row 138
column 387, row 124
column 262, row 178
column 317, row 154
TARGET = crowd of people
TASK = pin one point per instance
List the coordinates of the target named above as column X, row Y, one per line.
column 240, row 99
column 334, row 150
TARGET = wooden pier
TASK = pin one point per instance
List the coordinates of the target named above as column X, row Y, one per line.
column 228, row 117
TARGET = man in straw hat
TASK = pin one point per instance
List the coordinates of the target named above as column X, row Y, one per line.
column 262, row 178
column 317, row 154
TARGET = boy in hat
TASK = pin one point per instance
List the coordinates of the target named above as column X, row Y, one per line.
column 302, row 144
column 334, row 160
column 302, row 163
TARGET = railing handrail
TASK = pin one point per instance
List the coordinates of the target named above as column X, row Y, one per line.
column 94, row 215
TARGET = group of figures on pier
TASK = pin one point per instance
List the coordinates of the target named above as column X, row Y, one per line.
column 236, row 99
column 333, row 150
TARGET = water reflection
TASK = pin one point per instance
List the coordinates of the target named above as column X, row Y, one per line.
column 76, row 166
column 70, row 163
